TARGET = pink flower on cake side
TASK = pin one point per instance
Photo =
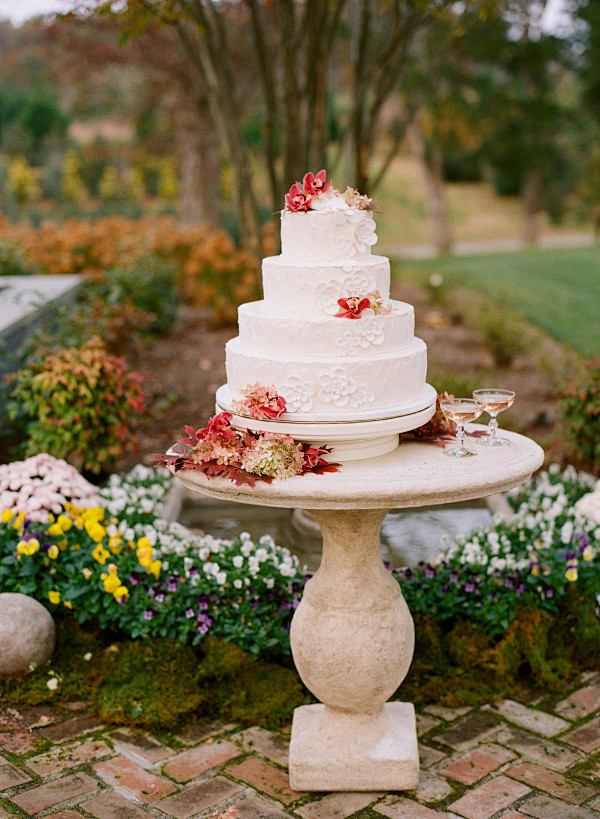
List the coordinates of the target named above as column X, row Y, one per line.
column 297, row 200
column 260, row 402
column 314, row 185
column 352, row 307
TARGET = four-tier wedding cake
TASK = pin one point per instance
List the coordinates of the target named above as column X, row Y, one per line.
column 327, row 338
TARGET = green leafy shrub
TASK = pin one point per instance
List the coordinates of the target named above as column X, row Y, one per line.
column 579, row 409
column 504, row 335
column 12, row 260
column 150, row 287
column 79, row 403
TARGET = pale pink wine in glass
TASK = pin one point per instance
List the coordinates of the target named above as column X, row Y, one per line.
column 462, row 411
column 494, row 401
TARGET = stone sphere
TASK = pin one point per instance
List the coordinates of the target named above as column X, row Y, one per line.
column 27, row 633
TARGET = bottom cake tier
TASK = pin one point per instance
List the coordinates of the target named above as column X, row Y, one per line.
column 380, row 386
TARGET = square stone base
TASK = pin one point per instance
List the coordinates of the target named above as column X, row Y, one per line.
column 347, row 752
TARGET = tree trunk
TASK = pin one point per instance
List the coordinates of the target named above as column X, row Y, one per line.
column 531, row 192
column 432, row 161
column 198, row 148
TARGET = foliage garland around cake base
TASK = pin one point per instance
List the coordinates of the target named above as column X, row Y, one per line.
column 510, row 608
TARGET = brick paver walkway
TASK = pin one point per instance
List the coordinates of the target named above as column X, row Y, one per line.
column 505, row 760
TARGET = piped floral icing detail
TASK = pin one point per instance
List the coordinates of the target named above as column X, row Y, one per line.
column 299, row 394
column 260, row 402
column 364, row 235
column 339, row 389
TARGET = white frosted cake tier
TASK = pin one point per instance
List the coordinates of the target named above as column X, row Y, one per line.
column 331, row 385
column 263, row 331
column 326, row 235
column 311, row 289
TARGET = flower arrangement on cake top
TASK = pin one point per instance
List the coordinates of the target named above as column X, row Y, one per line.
column 220, row 450
column 318, row 193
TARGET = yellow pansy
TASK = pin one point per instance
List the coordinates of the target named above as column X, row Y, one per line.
column 87, row 573
column 144, row 554
column 100, row 554
column 112, row 568
column 18, row 521
column 68, row 604
column 144, row 543
column 535, row 570
column 54, row 597
column 53, row 552
column 571, row 574
column 93, row 513
column 65, row 522
column 79, row 522
column 7, row 515
column 116, row 545
column 75, row 547
column 154, row 568
column 588, row 553
column 111, row 583
column 121, row 591
column 62, row 544
column 28, row 547
column 95, row 530
column 55, row 529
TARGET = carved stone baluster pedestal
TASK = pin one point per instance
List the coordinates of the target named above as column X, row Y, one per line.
column 352, row 640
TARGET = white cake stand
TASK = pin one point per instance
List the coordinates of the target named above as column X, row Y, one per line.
column 361, row 435
column 352, row 636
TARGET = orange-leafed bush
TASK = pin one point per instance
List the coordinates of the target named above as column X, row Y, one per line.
column 213, row 271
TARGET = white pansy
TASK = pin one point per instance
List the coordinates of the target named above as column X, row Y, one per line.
column 238, row 584
column 221, row 578
column 238, row 561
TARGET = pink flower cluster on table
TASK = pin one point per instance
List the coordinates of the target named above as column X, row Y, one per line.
column 353, row 307
column 260, row 402
column 219, row 450
column 43, row 484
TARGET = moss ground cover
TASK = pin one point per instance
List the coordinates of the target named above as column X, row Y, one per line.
column 509, row 609
column 558, row 289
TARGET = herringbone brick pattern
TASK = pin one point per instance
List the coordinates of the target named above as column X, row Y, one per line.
column 504, row 760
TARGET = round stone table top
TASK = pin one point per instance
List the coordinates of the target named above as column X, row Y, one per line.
column 417, row 473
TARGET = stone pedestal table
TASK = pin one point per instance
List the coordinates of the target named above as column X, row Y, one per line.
column 352, row 636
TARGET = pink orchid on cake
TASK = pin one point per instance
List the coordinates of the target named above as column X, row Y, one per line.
column 355, row 307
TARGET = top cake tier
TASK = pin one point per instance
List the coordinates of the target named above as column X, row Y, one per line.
column 340, row 234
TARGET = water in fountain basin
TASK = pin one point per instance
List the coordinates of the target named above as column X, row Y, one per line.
column 407, row 536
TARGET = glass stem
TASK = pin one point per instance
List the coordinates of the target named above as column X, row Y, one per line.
column 492, row 426
column 460, row 433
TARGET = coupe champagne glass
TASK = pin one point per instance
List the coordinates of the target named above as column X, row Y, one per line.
column 493, row 401
column 461, row 411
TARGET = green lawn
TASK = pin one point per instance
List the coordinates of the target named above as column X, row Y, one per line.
column 556, row 289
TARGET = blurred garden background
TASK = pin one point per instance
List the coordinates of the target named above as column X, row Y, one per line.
column 145, row 149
